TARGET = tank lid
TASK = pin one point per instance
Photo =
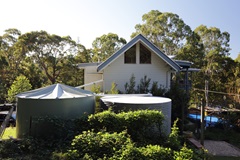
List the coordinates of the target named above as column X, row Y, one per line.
column 137, row 100
column 55, row 91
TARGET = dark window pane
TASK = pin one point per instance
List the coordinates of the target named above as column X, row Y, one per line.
column 145, row 55
column 130, row 55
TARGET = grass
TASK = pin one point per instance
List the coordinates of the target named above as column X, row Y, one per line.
column 9, row 132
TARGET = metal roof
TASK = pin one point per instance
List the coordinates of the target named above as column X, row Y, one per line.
column 150, row 45
column 184, row 64
column 55, row 91
column 84, row 65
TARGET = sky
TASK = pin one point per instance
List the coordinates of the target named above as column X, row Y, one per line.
column 85, row 20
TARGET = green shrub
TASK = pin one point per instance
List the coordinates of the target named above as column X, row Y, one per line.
column 107, row 120
column 130, row 152
column 143, row 87
column 130, row 87
column 184, row 154
column 113, row 89
column 156, row 152
column 158, row 90
column 142, row 125
column 173, row 138
column 98, row 145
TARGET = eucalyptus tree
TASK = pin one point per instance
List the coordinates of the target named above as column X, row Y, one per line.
column 104, row 46
column 193, row 51
column 11, row 57
column 49, row 51
column 216, row 48
column 166, row 30
column 34, row 74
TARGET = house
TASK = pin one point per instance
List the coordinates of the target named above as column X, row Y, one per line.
column 140, row 58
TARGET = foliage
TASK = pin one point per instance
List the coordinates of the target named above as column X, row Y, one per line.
column 179, row 103
column 141, row 125
column 103, row 145
column 158, row 90
column 113, row 89
column 156, row 152
column 96, row 88
column 143, row 87
column 166, row 30
column 27, row 149
column 98, row 145
column 185, row 153
column 21, row 84
column 56, row 127
column 173, row 138
column 130, row 87
column 49, row 51
column 105, row 46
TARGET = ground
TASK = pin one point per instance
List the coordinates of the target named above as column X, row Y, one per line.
column 221, row 148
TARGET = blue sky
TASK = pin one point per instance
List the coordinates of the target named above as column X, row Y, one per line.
column 87, row 19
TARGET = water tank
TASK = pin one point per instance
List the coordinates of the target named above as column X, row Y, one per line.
column 55, row 101
column 125, row 103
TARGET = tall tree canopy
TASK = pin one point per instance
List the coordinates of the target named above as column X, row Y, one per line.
column 216, row 46
column 10, row 53
column 49, row 51
column 11, row 58
column 165, row 30
column 215, row 58
column 105, row 46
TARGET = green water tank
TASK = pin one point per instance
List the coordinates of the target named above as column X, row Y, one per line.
column 36, row 108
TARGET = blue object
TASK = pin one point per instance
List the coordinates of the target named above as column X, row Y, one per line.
column 209, row 120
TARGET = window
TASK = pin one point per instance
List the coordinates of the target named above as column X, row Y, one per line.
column 130, row 55
column 145, row 55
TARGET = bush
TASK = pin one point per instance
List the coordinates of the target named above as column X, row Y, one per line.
column 143, row 125
column 104, row 145
column 173, row 138
column 184, row 153
column 98, row 145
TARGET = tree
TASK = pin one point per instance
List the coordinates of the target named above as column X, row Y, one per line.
column 34, row 74
column 192, row 50
column 238, row 58
column 11, row 57
column 166, row 30
column 21, row 84
column 216, row 48
column 106, row 45
column 48, row 51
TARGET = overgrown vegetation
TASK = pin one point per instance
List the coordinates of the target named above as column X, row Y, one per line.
column 105, row 135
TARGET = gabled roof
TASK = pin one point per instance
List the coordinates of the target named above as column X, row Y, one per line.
column 150, row 45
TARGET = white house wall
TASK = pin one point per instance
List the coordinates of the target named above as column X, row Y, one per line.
column 91, row 75
column 121, row 73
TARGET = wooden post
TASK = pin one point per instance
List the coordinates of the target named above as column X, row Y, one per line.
column 202, row 122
